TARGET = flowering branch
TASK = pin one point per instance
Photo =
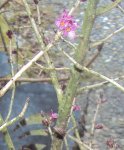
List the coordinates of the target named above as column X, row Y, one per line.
column 41, row 53
column 79, row 56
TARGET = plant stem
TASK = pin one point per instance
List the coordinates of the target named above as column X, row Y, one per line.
column 6, row 135
column 70, row 91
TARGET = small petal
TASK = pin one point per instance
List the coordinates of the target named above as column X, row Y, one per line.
column 71, row 35
column 76, row 108
column 53, row 116
column 99, row 126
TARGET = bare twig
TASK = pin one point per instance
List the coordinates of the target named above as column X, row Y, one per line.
column 94, row 122
column 68, row 42
column 45, row 68
column 89, row 71
column 38, row 14
column 19, row 73
column 66, row 143
column 120, row 8
column 14, row 87
column 6, row 136
column 79, row 142
column 51, row 135
column 8, row 123
column 99, row 48
column 82, row 147
column 97, row 85
column 74, row 7
column 33, row 79
column 107, row 7
column 108, row 37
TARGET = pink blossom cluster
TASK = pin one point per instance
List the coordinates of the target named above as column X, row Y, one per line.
column 76, row 108
column 67, row 24
column 49, row 118
column 53, row 116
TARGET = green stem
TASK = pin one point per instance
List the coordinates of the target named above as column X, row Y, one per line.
column 79, row 57
column 65, row 106
column 50, row 64
column 6, row 135
column 107, row 8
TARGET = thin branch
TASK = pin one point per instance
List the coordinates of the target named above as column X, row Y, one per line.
column 14, row 87
column 6, row 136
column 82, row 147
column 89, row 71
column 107, row 8
column 66, row 143
column 94, row 119
column 68, row 42
column 99, row 48
column 74, row 7
column 97, row 85
column 79, row 142
column 92, row 132
column 120, row 8
column 33, row 79
column 45, row 68
column 22, row 70
column 38, row 14
column 94, row 122
column 8, row 123
column 51, row 135
column 108, row 37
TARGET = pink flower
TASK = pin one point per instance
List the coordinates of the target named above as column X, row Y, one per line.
column 76, row 107
column 71, row 35
column 66, row 24
column 99, row 126
column 53, row 116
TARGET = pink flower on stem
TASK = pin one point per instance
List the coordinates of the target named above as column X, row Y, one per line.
column 66, row 24
column 76, row 107
column 53, row 116
column 99, row 126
